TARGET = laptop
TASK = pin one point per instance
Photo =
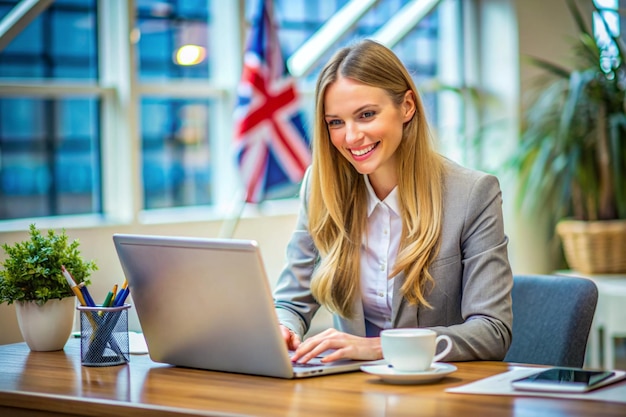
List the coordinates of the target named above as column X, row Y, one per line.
column 206, row 303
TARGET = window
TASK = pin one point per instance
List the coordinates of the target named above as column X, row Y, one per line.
column 49, row 146
column 164, row 29
column 174, row 130
column 175, row 152
column 611, row 17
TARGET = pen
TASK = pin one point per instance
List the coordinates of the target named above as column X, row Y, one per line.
column 120, row 294
column 106, row 302
column 121, row 297
column 113, row 296
column 126, row 291
column 73, row 286
column 76, row 290
column 83, row 289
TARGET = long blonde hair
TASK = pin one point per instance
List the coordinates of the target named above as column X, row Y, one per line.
column 338, row 196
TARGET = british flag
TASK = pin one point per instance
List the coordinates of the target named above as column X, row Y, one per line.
column 271, row 143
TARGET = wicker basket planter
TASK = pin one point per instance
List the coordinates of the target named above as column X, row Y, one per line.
column 594, row 247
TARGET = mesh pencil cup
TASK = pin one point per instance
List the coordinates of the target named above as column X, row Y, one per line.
column 104, row 335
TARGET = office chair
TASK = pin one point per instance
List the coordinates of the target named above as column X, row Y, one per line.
column 552, row 317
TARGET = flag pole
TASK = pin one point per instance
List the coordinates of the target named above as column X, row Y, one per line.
column 230, row 223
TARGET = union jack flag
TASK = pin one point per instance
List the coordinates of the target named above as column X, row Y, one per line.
column 271, row 144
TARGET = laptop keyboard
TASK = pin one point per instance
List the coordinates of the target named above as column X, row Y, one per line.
column 306, row 365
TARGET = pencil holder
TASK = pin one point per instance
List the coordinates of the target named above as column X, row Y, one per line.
column 104, row 335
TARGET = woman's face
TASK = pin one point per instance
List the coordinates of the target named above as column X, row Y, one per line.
column 366, row 127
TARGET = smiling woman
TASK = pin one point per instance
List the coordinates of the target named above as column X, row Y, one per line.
column 391, row 234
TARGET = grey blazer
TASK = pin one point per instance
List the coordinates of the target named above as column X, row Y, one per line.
column 471, row 298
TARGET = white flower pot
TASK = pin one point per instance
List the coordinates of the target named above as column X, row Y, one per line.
column 46, row 327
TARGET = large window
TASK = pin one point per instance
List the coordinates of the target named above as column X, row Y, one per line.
column 173, row 46
column 175, row 152
column 113, row 115
column 166, row 30
column 50, row 157
column 300, row 19
column 49, row 146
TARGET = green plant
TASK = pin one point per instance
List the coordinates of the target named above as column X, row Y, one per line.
column 32, row 270
column 571, row 160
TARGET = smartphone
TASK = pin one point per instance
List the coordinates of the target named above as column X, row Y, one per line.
column 560, row 379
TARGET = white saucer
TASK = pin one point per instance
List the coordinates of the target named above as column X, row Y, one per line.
column 388, row 374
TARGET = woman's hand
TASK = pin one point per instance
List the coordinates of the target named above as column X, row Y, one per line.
column 344, row 346
column 291, row 338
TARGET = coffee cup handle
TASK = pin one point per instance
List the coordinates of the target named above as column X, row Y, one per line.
column 447, row 350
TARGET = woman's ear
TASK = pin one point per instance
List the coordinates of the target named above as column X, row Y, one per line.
column 408, row 106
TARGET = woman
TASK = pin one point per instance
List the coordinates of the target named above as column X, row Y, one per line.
column 390, row 233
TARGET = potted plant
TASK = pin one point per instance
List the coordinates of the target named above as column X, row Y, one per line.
column 31, row 277
column 571, row 160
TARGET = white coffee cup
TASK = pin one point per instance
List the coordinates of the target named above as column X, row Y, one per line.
column 412, row 350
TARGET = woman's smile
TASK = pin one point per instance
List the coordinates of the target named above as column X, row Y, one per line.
column 363, row 152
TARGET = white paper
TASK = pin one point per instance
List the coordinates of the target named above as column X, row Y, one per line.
column 501, row 385
column 137, row 343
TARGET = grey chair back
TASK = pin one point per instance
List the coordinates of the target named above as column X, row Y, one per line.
column 552, row 317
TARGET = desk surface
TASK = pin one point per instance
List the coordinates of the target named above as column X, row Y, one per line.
column 46, row 383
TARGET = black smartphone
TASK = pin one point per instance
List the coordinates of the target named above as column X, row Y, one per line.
column 561, row 379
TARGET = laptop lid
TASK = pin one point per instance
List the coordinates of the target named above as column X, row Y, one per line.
column 206, row 303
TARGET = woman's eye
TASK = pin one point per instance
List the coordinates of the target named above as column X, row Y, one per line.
column 367, row 114
column 334, row 123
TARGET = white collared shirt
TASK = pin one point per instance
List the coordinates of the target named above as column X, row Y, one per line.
column 379, row 250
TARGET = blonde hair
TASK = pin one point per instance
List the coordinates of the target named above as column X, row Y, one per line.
column 338, row 196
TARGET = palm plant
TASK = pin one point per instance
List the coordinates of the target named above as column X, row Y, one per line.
column 571, row 160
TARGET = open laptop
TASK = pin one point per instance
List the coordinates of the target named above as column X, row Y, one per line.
column 207, row 304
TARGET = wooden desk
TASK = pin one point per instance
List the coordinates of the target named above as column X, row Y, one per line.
column 53, row 383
